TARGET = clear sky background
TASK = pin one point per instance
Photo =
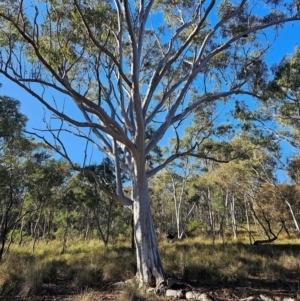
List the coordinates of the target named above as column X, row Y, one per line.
column 288, row 38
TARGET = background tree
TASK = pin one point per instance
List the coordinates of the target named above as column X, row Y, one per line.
column 45, row 176
column 282, row 98
column 127, row 66
column 174, row 186
column 12, row 122
column 290, row 197
column 100, row 210
column 14, row 149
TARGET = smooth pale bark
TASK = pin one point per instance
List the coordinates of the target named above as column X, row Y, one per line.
column 149, row 266
column 233, row 220
column 247, row 218
column 65, row 236
column 293, row 216
column 211, row 215
column 224, row 215
column 35, row 235
column 178, row 200
column 21, row 232
column 186, row 220
column 87, row 229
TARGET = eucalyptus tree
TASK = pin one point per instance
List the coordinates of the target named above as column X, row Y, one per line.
column 175, row 185
column 14, row 149
column 129, row 65
column 290, row 195
column 12, row 187
column 99, row 208
column 12, row 122
column 227, row 187
column 283, row 98
column 293, row 169
column 45, row 176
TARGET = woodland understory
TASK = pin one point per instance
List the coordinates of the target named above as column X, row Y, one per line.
column 230, row 270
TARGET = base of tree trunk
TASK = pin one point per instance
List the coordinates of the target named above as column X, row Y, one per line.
column 149, row 266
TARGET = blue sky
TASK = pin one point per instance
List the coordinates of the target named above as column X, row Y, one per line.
column 288, row 38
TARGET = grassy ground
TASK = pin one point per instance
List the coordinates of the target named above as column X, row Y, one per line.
column 87, row 271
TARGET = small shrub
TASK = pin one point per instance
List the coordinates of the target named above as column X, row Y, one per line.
column 193, row 225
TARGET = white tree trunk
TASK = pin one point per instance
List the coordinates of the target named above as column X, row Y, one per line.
column 293, row 216
column 211, row 215
column 149, row 266
column 233, row 220
column 247, row 218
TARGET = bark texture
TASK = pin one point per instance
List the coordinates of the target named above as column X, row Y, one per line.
column 149, row 266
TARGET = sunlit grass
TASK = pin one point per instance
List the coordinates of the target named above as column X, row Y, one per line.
column 90, row 266
column 86, row 263
column 197, row 260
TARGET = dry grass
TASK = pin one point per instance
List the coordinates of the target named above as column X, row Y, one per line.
column 23, row 275
column 86, row 264
column 195, row 260
column 89, row 266
column 88, row 295
column 131, row 292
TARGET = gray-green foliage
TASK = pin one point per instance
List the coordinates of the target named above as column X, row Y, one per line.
column 12, row 122
column 14, row 149
column 283, row 97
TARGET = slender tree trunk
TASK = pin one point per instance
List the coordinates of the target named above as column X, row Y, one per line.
column 4, row 226
column 211, row 215
column 50, row 236
column 184, row 224
column 98, row 224
column 31, row 228
column 293, row 216
column 87, row 230
column 3, row 233
column 177, row 206
column 132, row 232
column 247, row 218
column 149, row 266
column 65, row 235
column 223, row 217
column 35, row 236
column 44, row 229
column 233, row 216
column 10, row 240
column 108, row 223
column 21, row 232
